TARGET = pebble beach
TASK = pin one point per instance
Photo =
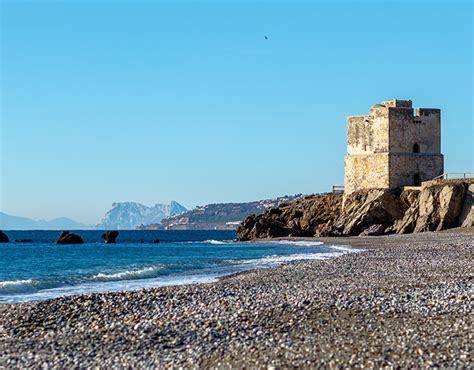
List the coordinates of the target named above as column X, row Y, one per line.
column 402, row 300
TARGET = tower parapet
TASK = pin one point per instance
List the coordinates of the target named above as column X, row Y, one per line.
column 395, row 103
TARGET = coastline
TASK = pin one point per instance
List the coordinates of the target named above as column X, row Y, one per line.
column 97, row 268
column 403, row 301
column 376, row 242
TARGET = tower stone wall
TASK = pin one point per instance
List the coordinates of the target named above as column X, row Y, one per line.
column 392, row 146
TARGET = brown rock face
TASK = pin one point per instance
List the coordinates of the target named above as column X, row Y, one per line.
column 467, row 213
column 109, row 237
column 407, row 223
column 366, row 208
column 374, row 230
column 435, row 207
column 3, row 237
column 69, row 238
column 303, row 217
column 440, row 207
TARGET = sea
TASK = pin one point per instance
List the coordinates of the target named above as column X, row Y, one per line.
column 41, row 269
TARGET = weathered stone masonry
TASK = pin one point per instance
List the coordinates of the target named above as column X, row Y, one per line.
column 392, row 147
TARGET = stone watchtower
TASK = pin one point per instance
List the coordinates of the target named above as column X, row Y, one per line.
column 391, row 147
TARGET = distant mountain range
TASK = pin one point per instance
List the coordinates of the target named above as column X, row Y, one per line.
column 217, row 216
column 129, row 215
column 9, row 222
column 173, row 216
column 126, row 215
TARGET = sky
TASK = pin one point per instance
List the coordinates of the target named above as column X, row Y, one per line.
column 153, row 101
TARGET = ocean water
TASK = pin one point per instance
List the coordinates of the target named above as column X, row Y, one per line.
column 41, row 269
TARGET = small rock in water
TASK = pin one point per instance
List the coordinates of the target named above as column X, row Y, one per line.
column 3, row 237
column 109, row 237
column 69, row 238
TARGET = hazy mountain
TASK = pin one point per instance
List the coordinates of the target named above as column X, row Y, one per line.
column 9, row 222
column 129, row 215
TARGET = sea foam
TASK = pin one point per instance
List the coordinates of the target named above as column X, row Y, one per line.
column 273, row 260
column 217, row 241
column 146, row 272
column 15, row 283
column 299, row 243
column 20, row 285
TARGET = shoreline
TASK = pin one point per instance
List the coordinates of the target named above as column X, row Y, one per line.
column 375, row 242
column 211, row 276
column 404, row 301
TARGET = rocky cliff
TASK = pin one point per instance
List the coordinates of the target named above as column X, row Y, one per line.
column 433, row 207
column 437, row 207
column 303, row 217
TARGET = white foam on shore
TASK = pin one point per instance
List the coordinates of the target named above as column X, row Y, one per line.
column 148, row 277
column 299, row 243
column 273, row 260
column 129, row 274
column 346, row 248
column 110, row 286
column 308, row 243
column 278, row 259
column 212, row 241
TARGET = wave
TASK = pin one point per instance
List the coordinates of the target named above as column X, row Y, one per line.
column 299, row 243
column 12, row 286
column 13, row 283
column 209, row 241
column 346, row 248
column 105, row 286
column 156, row 272
column 143, row 273
column 212, row 241
column 281, row 259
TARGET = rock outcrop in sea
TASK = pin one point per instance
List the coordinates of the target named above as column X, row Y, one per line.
column 434, row 207
column 69, row 238
column 109, row 237
column 3, row 237
column 303, row 217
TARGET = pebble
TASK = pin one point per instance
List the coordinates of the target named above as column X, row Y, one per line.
column 406, row 301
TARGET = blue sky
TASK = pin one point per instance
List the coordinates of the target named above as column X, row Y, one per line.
column 149, row 101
